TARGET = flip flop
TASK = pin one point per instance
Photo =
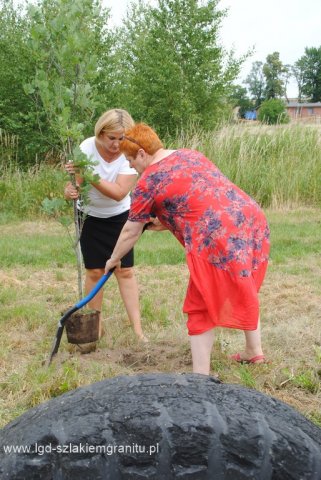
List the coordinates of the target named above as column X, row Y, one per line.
column 257, row 359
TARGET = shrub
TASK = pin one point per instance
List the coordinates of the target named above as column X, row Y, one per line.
column 273, row 111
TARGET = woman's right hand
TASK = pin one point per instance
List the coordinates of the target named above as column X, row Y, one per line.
column 71, row 192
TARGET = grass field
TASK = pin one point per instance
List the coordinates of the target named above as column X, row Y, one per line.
column 38, row 282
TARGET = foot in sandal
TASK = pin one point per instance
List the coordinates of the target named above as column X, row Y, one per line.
column 238, row 357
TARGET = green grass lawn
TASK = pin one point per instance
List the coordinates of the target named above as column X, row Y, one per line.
column 294, row 234
column 38, row 282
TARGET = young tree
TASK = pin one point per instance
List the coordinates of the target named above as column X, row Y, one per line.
column 273, row 70
column 310, row 64
column 256, row 83
column 177, row 71
column 66, row 41
column 66, row 38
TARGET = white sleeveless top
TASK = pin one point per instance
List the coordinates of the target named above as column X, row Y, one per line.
column 100, row 205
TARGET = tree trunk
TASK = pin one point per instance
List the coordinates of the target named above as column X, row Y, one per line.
column 77, row 242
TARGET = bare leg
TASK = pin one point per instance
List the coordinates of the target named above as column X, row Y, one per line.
column 92, row 277
column 201, row 346
column 253, row 346
column 129, row 292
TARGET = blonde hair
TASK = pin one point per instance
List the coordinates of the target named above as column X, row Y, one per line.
column 113, row 120
column 140, row 136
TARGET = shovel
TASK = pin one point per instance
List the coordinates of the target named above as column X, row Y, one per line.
column 73, row 309
column 79, row 305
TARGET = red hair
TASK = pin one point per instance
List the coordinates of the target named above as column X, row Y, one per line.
column 140, row 136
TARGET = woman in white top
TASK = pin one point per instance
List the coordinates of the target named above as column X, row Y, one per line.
column 106, row 211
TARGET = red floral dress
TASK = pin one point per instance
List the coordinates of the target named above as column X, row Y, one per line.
column 224, row 233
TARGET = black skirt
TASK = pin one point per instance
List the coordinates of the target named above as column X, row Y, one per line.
column 98, row 239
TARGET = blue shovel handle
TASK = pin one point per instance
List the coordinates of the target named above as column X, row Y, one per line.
column 94, row 291
column 74, row 309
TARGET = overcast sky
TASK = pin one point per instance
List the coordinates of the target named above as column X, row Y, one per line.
column 284, row 26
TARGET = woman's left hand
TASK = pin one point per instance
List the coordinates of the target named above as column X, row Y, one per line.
column 155, row 225
column 70, row 168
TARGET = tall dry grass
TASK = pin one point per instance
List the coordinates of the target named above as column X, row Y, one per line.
column 22, row 190
column 8, row 148
column 277, row 165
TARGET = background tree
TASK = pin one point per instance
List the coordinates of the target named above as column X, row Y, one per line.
column 256, row 83
column 177, row 72
column 273, row 111
column 239, row 98
column 310, row 64
column 273, row 71
column 18, row 115
column 165, row 65
column 298, row 74
column 286, row 76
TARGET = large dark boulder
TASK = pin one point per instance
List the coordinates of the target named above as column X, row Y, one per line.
column 161, row 426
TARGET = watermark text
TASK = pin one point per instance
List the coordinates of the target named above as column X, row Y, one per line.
column 81, row 448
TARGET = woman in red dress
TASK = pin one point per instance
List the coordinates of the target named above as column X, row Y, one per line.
column 224, row 232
